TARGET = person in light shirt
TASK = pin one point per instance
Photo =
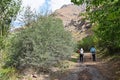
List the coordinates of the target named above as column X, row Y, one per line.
column 81, row 54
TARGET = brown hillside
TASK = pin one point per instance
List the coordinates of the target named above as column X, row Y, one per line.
column 73, row 22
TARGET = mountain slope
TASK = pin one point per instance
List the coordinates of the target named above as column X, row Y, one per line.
column 73, row 21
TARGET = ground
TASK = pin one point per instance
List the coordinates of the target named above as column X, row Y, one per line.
column 87, row 70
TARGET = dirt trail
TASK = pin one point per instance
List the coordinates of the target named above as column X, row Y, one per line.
column 88, row 70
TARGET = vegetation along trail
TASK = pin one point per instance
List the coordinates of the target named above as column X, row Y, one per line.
column 41, row 48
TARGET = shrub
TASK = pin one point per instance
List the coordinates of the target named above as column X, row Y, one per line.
column 43, row 44
column 8, row 74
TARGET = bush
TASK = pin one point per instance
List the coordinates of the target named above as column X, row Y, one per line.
column 8, row 74
column 44, row 44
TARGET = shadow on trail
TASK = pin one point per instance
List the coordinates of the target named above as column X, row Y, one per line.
column 74, row 60
column 85, row 70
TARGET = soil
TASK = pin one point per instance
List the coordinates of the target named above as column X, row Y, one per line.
column 86, row 70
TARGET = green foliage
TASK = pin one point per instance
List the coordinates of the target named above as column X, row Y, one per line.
column 8, row 11
column 1, row 42
column 28, row 17
column 86, row 43
column 7, row 74
column 78, row 2
column 105, row 13
column 44, row 44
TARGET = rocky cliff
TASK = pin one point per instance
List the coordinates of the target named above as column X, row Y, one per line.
column 73, row 20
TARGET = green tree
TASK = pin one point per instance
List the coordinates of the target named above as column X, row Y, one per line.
column 8, row 11
column 28, row 16
column 105, row 16
column 44, row 44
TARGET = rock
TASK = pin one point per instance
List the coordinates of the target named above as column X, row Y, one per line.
column 73, row 21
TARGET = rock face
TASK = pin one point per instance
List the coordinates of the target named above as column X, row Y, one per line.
column 73, row 20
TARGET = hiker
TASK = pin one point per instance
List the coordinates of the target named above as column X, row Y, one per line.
column 81, row 54
column 93, row 52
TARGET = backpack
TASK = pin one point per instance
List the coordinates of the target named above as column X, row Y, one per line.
column 78, row 51
column 92, row 50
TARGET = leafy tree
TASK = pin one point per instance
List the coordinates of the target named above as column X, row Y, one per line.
column 105, row 16
column 8, row 11
column 44, row 44
column 27, row 17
